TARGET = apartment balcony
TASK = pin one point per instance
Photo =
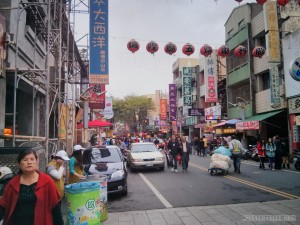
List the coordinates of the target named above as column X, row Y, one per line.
column 239, row 74
column 260, row 64
column 257, row 24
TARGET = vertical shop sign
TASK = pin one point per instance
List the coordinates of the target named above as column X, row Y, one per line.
column 187, row 86
column 271, row 27
column 210, row 78
column 172, row 102
column 97, row 100
column 275, row 86
column 163, row 109
column 99, row 73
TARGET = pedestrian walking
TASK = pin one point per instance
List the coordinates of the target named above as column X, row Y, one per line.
column 201, row 147
column 235, row 146
column 173, row 148
column 261, row 151
column 271, row 148
column 56, row 170
column 30, row 198
column 278, row 152
column 285, row 154
column 196, row 145
column 179, row 159
column 186, row 149
column 205, row 143
column 76, row 166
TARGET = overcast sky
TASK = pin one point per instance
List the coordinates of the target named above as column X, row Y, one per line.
column 179, row 21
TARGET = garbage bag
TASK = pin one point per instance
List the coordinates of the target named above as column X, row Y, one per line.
column 223, row 151
column 219, row 157
column 220, row 165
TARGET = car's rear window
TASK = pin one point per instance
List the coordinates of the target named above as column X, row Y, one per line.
column 96, row 155
column 143, row 148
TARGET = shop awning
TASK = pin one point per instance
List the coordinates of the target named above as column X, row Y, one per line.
column 252, row 123
column 228, row 122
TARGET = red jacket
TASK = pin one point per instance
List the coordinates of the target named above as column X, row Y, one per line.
column 261, row 150
column 46, row 194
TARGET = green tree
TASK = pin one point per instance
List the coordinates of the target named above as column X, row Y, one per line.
column 132, row 110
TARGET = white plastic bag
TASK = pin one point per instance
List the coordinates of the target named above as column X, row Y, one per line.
column 219, row 157
column 220, row 165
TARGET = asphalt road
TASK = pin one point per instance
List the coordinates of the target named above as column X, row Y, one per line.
column 164, row 189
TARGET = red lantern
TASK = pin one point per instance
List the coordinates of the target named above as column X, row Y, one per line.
column 188, row 49
column 238, row 1
column 282, row 2
column 258, row 51
column 240, row 51
column 223, row 51
column 261, row 2
column 133, row 45
column 170, row 48
column 206, row 50
column 152, row 47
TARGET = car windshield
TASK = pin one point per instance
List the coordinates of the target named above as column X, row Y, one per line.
column 143, row 148
column 104, row 155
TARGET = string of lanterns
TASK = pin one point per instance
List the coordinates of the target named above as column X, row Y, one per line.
column 279, row 2
column 188, row 49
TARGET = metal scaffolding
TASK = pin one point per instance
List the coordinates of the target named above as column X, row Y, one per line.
column 52, row 22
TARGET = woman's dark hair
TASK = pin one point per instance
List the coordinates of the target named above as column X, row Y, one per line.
column 23, row 154
column 26, row 152
column 78, row 156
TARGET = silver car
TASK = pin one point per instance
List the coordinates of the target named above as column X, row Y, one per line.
column 145, row 155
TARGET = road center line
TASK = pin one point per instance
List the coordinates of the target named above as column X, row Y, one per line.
column 156, row 192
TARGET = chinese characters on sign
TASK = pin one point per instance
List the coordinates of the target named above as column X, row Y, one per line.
column 187, row 86
column 196, row 112
column 275, row 87
column 99, row 42
column 172, row 102
column 249, row 125
column 210, row 78
column 271, row 26
column 163, row 109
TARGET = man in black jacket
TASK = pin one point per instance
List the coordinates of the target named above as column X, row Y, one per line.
column 173, row 148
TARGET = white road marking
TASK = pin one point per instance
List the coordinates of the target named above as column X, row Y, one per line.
column 156, row 192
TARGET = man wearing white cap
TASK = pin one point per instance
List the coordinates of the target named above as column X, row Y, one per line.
column 56, row 170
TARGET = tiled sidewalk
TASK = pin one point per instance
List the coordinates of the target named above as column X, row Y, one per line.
column 245, row 213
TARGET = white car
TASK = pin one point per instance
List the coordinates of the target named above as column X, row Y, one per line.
column 145, row 155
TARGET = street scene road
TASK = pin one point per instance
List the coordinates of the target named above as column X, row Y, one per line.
column 157, row 190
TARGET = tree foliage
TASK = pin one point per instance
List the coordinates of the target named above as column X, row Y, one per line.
column 132, row 110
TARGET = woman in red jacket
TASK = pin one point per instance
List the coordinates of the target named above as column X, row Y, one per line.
column 261, row 151
column 30, row 198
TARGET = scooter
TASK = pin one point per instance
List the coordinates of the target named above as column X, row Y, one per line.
column 253, row 152
column 5, row 176
column 297, row 159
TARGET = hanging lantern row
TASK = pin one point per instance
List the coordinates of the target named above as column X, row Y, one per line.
column 279, row 2
column 188, row 49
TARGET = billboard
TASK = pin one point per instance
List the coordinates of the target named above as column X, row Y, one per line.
column 163, row 109
column 97, row 100
column 211, row 77
column 172, row 102
column 98, row 71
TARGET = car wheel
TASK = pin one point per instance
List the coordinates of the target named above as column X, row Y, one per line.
column 124, row 193
column 132, row 169
column 162, row 168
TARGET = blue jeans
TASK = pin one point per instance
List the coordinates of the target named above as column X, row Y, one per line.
column 173, row 161
column 271, row 161
column 236, row 162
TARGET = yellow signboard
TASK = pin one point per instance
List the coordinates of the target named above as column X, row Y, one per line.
column 271, row 27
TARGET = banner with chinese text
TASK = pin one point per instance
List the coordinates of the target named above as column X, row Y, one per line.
column 99, row 70
column 172, row 102
column 211, row 78
column 97, row 100
column 187, row 86
column 163, row 109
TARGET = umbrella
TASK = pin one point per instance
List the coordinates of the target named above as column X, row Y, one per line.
column 96, row 123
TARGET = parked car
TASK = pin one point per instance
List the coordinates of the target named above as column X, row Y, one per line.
column 145, row 155
column 109, row 161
